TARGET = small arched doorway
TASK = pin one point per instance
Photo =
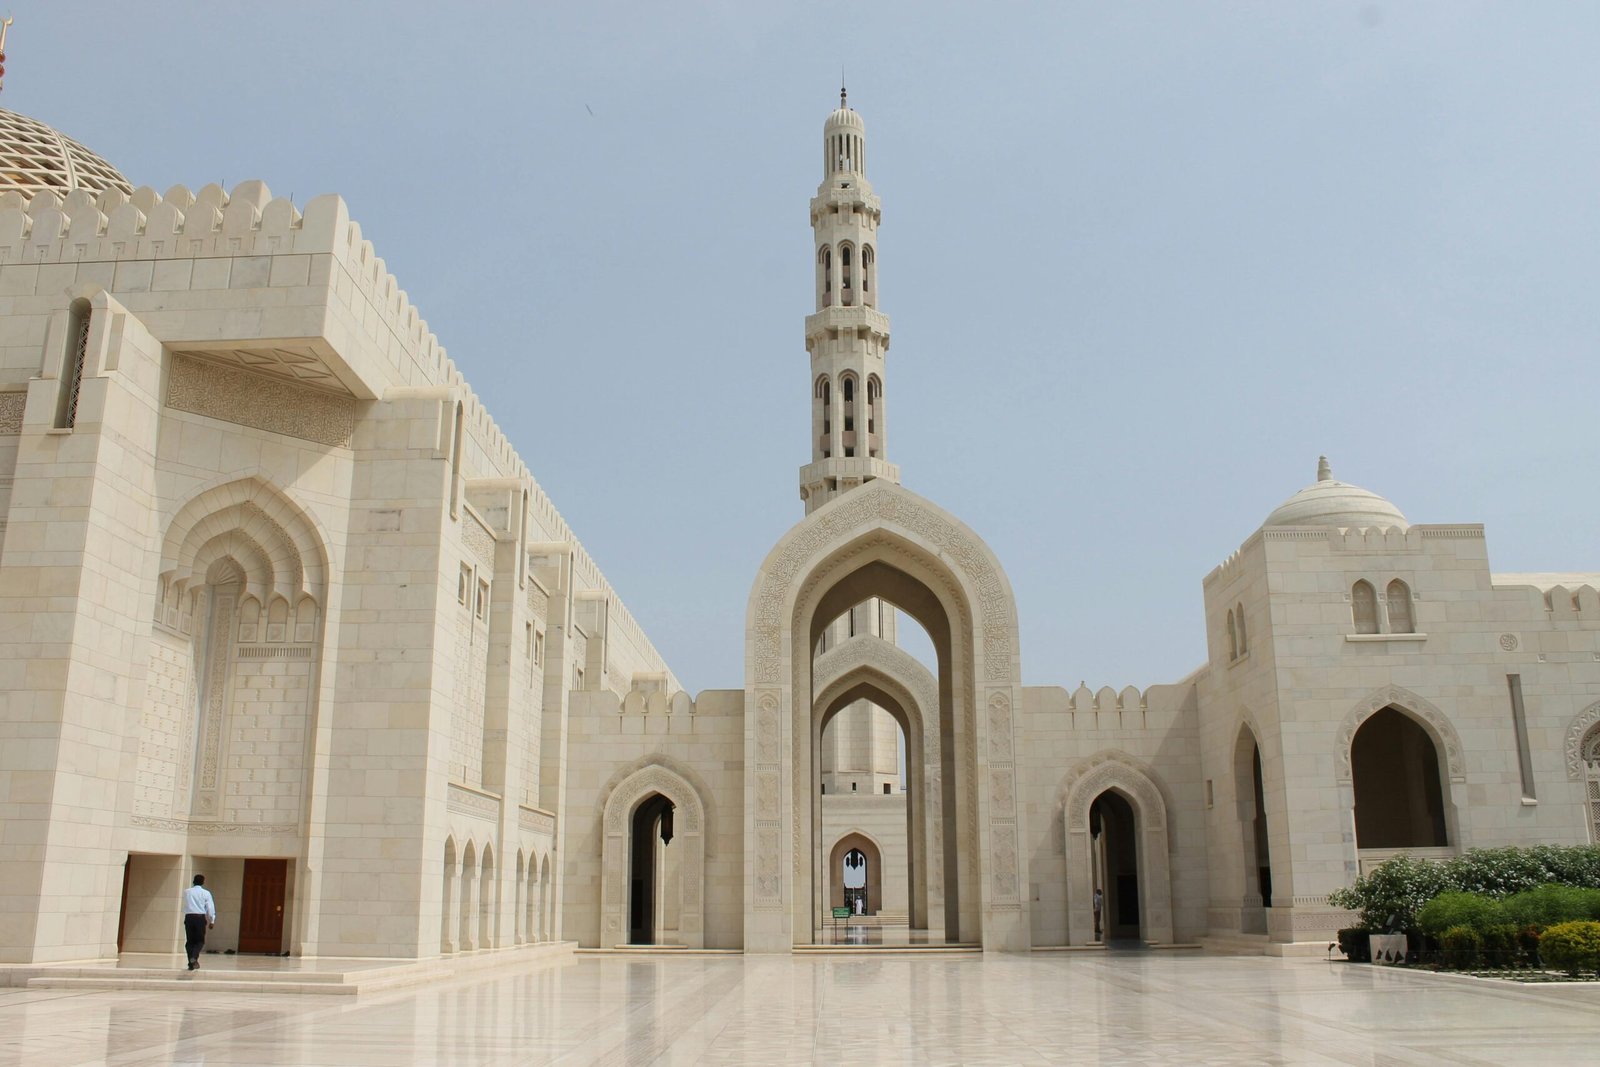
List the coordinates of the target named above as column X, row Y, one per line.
column 650, row 834
column 855, row 874
column 1114, row 831
column 1255, row 853
column 1394, row 768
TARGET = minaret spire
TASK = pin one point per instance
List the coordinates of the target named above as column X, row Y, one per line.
column 847, row 336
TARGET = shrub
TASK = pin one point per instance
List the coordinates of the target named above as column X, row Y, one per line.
column 1455, row 910
column 1398, row 887
column 1354, row 944
column 1394, row 889
column 1462, row 946
column 1572, row 947
column 1550, row 904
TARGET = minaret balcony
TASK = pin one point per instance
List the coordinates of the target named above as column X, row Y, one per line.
column 851, row 318
column 854, row 468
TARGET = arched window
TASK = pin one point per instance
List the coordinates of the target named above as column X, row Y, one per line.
column 72, row 366
column 847, row 386
column 827, row 418
column 1233, row 638
column 1395, row 770
column 844, row 271
column 1364, row 607
column 1244, row 640
column 867, row 260
column 1399, row 597
column 825, row 262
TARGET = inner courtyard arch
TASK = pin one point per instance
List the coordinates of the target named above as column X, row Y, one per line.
column 883, row 542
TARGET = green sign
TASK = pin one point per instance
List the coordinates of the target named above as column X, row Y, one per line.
column 841, row 913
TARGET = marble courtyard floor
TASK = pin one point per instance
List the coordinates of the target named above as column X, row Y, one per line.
column 1167, row 1008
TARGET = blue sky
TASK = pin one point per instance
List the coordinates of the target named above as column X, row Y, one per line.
column 1144, row 262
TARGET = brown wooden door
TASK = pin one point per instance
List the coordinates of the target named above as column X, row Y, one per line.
column 261, row 905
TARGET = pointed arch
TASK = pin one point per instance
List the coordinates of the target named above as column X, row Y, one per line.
column 1116, row 771
column 690, row 831
column 881, row 540
column 284, row 536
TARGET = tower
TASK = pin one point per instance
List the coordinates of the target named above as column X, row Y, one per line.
column 847, row 336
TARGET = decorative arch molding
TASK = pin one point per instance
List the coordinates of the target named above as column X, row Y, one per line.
column 1115, row 770
column 1432, row 719
column 288, row 540
column 1582, row 723
column 689, row 828
column 874, row 653
column 882, row 525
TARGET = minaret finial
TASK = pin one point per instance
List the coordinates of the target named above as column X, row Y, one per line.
column 1324, row 471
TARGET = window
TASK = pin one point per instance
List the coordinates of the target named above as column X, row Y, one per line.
column 577, row 677
column 1399, row 597
column 1233, row 638
column 538, row 648
column 482, row 608
column 1364, row 607
column 885, row 788
column 463, row 584
column 72, row 367
column 1238, row 615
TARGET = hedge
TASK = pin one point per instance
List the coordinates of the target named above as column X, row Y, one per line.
column 1572, row 947
column 1395, row 890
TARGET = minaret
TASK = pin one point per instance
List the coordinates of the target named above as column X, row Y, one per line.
column 848, row 336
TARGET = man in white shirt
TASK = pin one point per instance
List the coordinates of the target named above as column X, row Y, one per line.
column 199, row 913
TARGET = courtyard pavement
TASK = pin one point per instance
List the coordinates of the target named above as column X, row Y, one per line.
column 1166, row 1008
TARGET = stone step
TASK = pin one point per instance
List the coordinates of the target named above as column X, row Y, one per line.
column 197, row 985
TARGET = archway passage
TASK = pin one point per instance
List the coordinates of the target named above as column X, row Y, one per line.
column 855, row 875
column 1395, row 770
column 1113, row 828
column 650, row 833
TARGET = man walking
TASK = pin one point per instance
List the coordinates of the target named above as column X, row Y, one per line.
column 199, row 912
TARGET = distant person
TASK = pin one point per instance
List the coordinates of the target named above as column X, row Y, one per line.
column 1099, row 906
column 199, row 914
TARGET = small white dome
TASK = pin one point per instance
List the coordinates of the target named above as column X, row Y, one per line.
column 847, row 117
column 1326, row 502
column 35, row 157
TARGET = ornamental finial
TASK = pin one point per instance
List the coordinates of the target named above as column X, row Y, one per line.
column 1324, row 471
column 5, row 26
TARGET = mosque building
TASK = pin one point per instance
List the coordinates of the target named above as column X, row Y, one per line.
column 281, row 603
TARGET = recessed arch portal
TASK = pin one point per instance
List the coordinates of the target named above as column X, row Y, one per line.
column 643, row 797
column 1085, row 784
column 879, row 541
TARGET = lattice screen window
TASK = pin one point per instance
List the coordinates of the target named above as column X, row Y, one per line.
column 1591, row 782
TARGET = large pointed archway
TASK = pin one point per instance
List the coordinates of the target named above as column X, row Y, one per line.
column 881, row 541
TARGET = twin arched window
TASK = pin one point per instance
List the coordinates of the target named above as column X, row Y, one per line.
column 1238, row 639
column 1364, row 608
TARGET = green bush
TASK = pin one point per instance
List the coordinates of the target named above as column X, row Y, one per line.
column 1397, row 888
column 1572, row 947
column 1551, row 904
column 1462, row 947
column 1394, row 889
column 1354, row 944
column 1470, row 910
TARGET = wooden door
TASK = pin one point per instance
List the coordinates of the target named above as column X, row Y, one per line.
column 261, row 905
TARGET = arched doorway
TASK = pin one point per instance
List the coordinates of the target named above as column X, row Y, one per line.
column 1115, row 821
column 855, row 875
column 1255, row 852
column 649, row 837
column 880, row 542
column 1113, row 830
column 653, row 858
column 1394, row 768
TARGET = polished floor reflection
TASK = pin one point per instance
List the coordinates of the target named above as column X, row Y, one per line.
column 1162, row 1008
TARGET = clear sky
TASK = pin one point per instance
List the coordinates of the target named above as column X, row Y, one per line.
column 1144, row 262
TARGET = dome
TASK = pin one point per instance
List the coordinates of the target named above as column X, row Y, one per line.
column 844, row 115
column 1326, row 502
column 34, row 157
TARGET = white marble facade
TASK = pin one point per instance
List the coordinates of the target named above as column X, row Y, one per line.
column 281, row 604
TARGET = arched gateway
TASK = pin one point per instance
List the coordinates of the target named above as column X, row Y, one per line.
column 882, row 541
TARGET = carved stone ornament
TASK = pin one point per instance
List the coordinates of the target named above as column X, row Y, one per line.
column 262, row 403
column 11, row 409
column 1438, row 726
column 1107, row 770
column 1577, row 730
